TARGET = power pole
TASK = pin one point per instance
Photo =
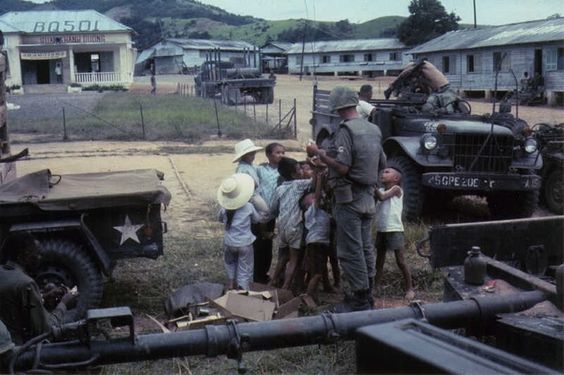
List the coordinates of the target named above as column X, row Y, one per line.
column 474, row 1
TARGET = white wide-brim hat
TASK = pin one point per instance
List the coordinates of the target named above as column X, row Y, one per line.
column 244, row 147
column 235, row 191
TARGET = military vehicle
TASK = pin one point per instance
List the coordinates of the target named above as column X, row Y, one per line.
column 551, row 139
column 234, row 83
column 448, row 151
column 85, row 223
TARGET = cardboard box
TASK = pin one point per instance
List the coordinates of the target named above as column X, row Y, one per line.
column 251, row 308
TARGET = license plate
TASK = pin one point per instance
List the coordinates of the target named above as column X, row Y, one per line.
column 458, row 182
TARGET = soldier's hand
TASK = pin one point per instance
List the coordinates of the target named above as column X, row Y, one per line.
column 69, row 300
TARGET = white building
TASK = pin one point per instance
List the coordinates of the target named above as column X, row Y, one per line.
column 358, row 57
column 173, row 55
column 58, row 48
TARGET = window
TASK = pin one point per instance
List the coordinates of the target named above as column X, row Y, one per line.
column 473, row 63
column 298, row 60
column 446, row 64
column 367, row 57
column 554, row 59
column 394, row 56
column 326, row 59
column 501, row 61
column 346, row 58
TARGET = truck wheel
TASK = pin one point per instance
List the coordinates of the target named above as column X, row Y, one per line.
column 553, row 189
column 65, row 263
column 411, row 185
column 513, row 205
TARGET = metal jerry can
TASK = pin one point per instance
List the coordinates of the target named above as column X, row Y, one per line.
column 474, row 267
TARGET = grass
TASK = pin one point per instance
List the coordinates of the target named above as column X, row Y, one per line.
column 121, row 116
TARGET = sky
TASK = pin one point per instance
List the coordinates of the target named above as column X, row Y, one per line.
column 488, row 12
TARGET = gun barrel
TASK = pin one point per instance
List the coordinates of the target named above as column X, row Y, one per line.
column 216, row 340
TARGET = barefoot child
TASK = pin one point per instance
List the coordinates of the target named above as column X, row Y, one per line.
column 286, row 207
column 236, row 214
column 268, row 177
column 389, row 236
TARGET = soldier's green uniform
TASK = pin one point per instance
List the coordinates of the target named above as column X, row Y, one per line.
column 443, row 100
column 6, row 346
column 21, row 307
column 357, row 144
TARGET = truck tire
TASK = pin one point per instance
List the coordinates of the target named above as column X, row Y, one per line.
column 64, row 262
column 513, row 204
column 553, row 189
column 411, row 186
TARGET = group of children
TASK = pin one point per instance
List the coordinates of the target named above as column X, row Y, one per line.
column 290, row 195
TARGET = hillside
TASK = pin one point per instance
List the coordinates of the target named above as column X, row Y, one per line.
column 156, row 19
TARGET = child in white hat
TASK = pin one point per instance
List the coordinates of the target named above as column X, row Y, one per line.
column 237, row 214
column 245, row 152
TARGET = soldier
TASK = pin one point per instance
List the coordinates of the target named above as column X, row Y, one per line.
column 353, row 160
column 22, row 309
column 364, row 108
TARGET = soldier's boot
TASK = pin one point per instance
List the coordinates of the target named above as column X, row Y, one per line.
column 358, row 301
column 371, row 292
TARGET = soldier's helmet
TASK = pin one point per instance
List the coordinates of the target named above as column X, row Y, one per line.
column 342, row 97
column 5, row 339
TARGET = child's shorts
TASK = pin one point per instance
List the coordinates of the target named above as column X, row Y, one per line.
column 317, row 255
column 291, row 237
column 389, row 241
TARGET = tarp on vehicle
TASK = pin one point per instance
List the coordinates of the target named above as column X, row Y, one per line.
column 86, row 191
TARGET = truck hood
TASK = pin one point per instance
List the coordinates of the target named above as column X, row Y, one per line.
column 74, row 192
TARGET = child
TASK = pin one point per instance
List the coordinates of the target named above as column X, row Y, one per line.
column 245, row 152
column 285, row 206
column 317, row 222
column 389, row 228
column 237, row 214
column 268, row 177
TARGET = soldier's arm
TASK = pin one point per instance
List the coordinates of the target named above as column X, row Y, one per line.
column 37, row 318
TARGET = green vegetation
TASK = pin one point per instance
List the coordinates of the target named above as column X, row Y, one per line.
column 118, row 116
column 427, row 21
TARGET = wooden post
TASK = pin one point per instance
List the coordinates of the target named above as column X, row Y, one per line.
column 217, row 118
column 295, row 121
column 279, row 112
column 266, row 113
column 65, row 136
column 254, row 112
column 142, row 120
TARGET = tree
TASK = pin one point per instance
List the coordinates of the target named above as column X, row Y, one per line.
column 428, row 19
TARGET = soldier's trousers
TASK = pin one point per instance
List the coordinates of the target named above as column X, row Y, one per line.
column 354, row 242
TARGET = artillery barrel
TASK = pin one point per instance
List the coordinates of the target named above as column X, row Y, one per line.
column 214, row 340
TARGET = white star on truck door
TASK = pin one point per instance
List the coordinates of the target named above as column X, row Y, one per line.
column 128, row 231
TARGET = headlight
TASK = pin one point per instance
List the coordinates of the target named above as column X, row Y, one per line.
column 429, row 142
column 531, row 145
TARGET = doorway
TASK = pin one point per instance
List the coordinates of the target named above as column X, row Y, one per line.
column 35, row 72
column 538, row 62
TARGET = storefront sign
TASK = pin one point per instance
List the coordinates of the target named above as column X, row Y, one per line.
column 65, row 26
column 72, row 38
column 43, row 55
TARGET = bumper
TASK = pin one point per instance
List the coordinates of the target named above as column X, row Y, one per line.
column 481, row 182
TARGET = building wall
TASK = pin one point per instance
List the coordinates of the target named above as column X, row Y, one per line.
column 115, row 49
column 520, row 59
column 381, row 62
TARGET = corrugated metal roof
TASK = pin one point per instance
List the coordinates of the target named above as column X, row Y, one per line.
column 517, row 33
column 7, row 28
column 281, row 45
column 53, row 21
column 210, row 44
column 347, row 45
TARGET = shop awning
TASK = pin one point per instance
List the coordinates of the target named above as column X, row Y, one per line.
column 52, row 55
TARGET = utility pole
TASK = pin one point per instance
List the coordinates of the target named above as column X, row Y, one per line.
column 474, row 1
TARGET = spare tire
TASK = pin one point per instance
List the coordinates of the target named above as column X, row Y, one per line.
column 66, row 263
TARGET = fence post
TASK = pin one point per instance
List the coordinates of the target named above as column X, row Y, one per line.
column 142, row 120
column 295, row 120
column 217, row 118
column 65, row 136
column 280, row 112
column 254, row 112
column 245, row 106
column 266, row 113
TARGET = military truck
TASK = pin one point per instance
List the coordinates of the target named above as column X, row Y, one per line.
column 234, row 83
column 445, row 154
column 85, row 223
column 551, row 139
